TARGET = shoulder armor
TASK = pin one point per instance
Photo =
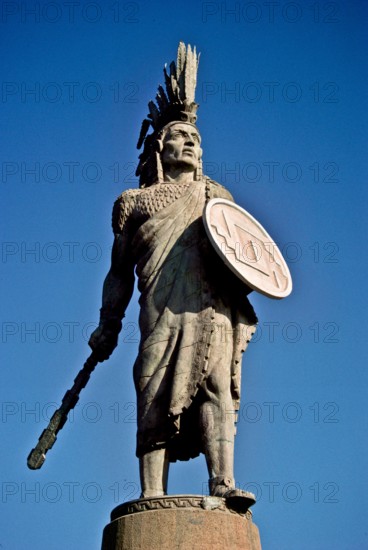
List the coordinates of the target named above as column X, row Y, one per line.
column 218, row 190
column 123, row 207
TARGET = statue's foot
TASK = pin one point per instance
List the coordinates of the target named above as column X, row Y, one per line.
column 236, row 499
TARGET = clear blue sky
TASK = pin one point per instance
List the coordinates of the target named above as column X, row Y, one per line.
column 283, row 116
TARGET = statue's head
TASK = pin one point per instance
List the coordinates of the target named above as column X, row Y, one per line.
column 175, row 141
column 180, row 147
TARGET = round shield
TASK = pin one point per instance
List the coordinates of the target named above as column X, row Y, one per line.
column 246, row 248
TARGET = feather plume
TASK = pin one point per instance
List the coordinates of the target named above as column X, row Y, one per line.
column 172, row 69
column 160, row 102
column 180, row 62
column 169, row 87
column 154, row 112
column 180, row 70
column 175, row 88
column 163, row 97
column 144, row 129
column 188, row 76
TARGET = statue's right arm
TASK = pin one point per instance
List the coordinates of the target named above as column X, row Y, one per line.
column 119, row 283
column 117, row 292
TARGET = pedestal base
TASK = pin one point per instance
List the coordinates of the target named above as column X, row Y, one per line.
column 179, row 522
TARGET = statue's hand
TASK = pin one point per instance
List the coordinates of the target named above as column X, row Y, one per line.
column 104, row 340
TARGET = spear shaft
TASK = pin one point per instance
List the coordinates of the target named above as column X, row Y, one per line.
column 48, row 437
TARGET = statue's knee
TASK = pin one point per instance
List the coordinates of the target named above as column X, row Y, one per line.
column 218, row 389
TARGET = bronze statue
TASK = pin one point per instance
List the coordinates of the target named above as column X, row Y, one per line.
column 194, row 310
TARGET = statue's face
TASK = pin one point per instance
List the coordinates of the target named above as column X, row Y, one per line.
column 181, row 146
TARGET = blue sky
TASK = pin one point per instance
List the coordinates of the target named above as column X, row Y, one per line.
column 282, row 93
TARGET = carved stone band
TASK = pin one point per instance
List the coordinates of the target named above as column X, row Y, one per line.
column 174, row 502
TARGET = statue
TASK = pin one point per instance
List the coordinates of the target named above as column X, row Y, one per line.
column 196, row 255
column 194, row 311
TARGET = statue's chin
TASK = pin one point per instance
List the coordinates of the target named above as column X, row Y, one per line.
column 186, row 165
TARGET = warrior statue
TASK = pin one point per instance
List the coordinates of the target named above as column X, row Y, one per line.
column 195, row 319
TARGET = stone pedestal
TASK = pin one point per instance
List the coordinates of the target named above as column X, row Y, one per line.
column 180, row 522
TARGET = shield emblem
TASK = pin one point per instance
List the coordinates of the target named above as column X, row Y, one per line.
column 246, row 248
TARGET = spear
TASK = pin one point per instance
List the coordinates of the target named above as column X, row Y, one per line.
column 48, row 437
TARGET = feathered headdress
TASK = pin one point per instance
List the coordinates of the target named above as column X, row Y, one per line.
column 175, row 105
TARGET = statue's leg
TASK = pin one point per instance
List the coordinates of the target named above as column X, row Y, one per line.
column 217, row 416
column 154, row 470
column 217, row 413
column 218, row 430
